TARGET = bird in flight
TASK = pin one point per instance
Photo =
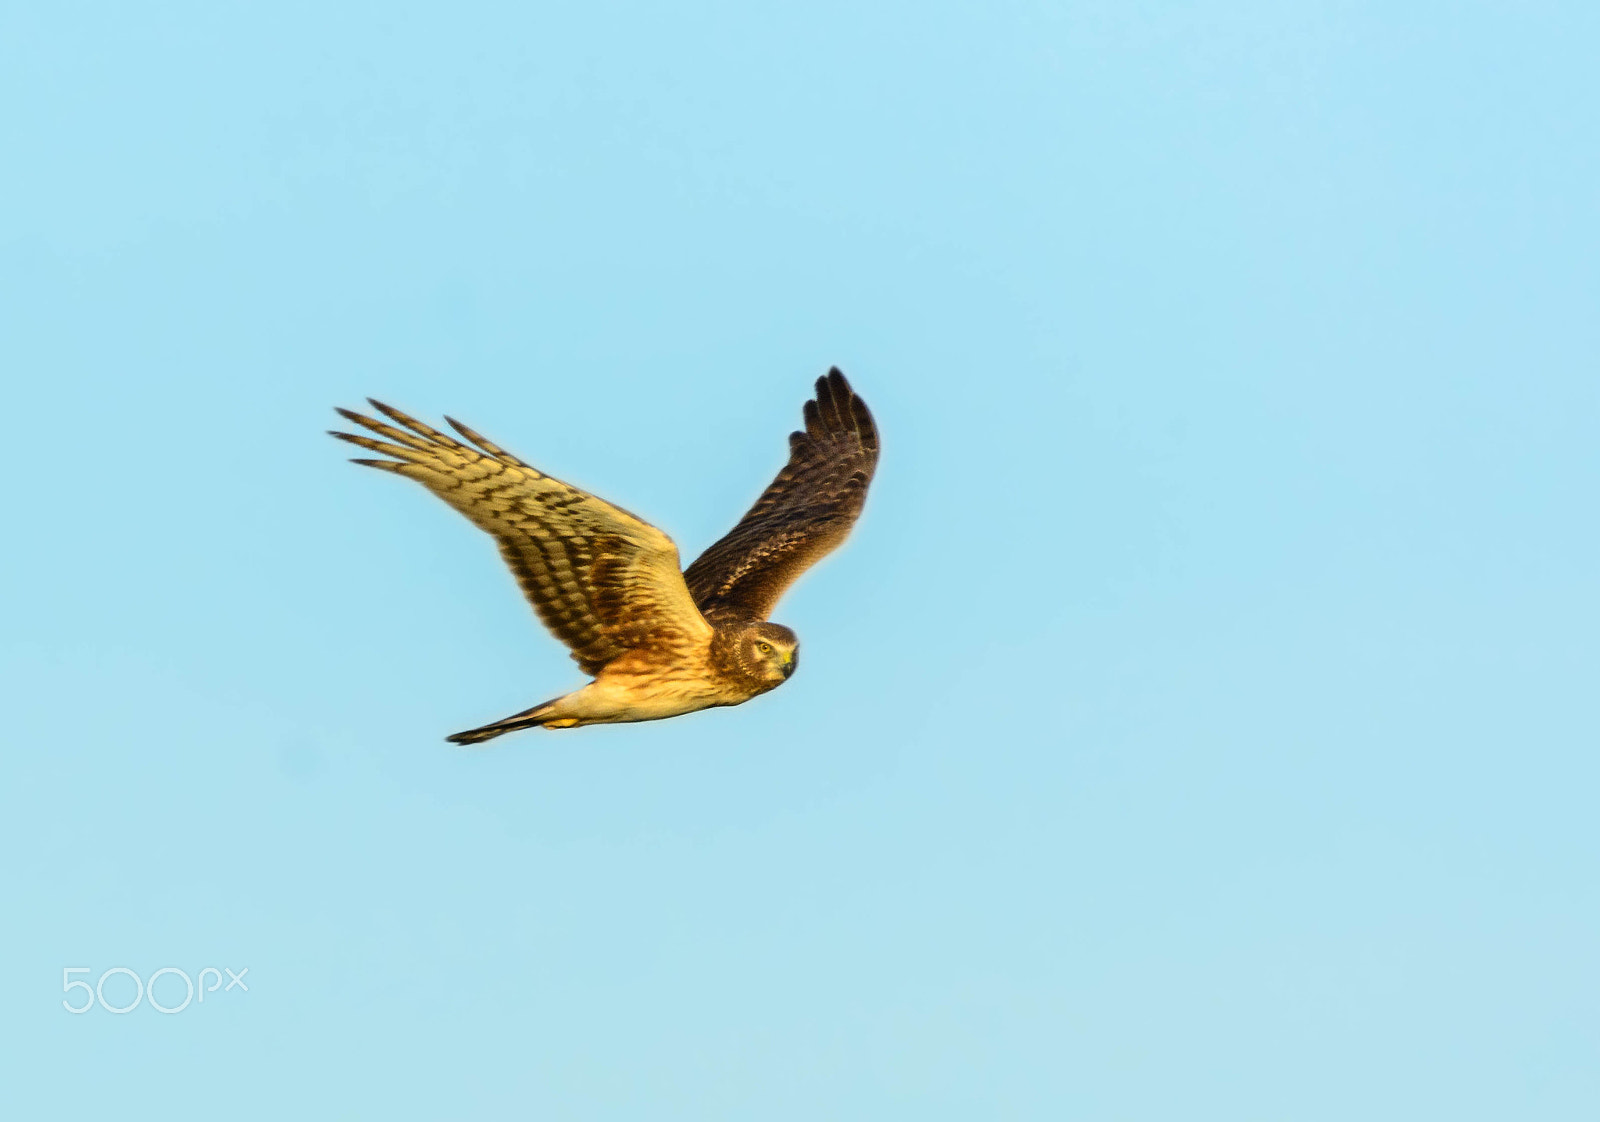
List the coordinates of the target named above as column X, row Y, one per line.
column 658, row 642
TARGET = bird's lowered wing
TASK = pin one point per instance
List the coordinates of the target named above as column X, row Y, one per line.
column 601, row 580
column 802, row 516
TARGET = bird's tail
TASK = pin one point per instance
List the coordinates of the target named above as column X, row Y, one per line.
column 527, row 719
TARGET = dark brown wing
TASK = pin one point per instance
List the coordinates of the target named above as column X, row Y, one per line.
column 601, row 580
column 806, row 512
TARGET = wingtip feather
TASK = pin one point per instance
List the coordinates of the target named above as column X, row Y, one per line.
column 813, row 418
column 834, row 404
column 421, row 428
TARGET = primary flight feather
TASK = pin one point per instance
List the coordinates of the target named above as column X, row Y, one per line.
column 659, row 642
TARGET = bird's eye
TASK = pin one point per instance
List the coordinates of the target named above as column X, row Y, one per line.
column 764, row 648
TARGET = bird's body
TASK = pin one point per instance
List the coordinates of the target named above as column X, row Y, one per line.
column 659, row 642
column 641, row 687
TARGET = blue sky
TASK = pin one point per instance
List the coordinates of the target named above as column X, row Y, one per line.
column 1200, row 724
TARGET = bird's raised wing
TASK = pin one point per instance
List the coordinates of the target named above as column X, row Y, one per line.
column 805, row 513
column 601, row 580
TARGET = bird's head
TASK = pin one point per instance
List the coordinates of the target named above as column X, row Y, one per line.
column 769, row 651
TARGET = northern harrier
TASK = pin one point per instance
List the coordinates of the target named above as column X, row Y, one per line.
column 659, row 642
